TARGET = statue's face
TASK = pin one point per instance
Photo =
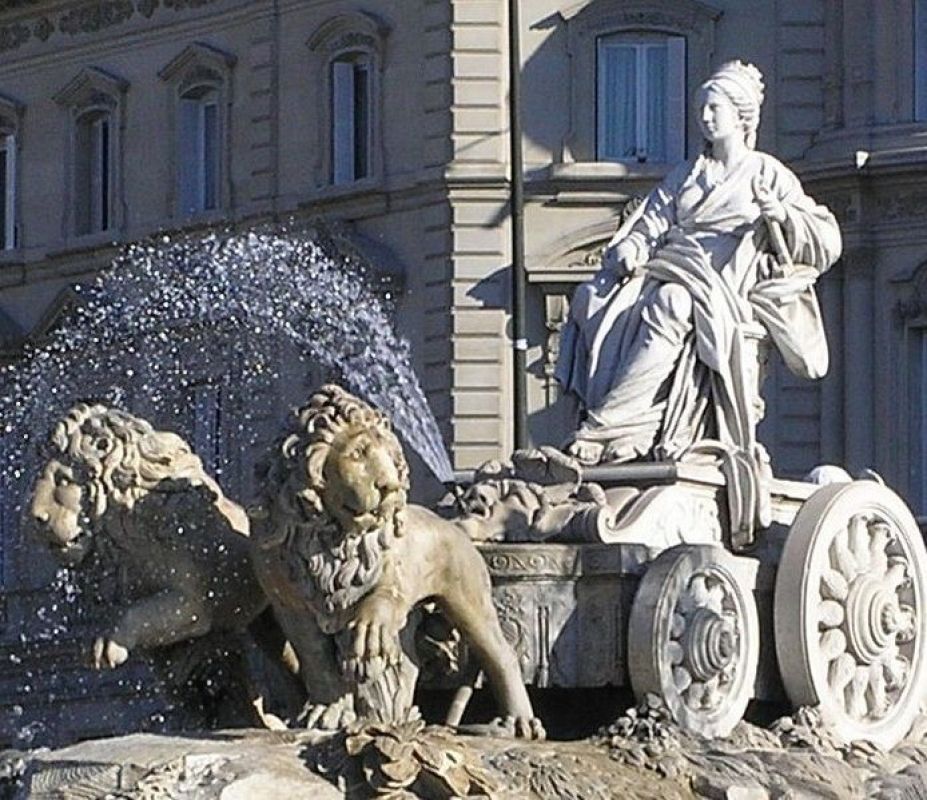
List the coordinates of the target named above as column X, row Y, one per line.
column 718, row 116
column 363, row 488
column 57, row 512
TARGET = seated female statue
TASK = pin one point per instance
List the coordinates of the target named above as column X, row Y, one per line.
column 658, row 345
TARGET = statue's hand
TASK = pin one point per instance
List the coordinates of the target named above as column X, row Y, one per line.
column 375, row 644
column 770, row 205
column 622, row 258
column 107, row 654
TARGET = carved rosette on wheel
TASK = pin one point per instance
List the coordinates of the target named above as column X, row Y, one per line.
column 849, row 612
column 693, row 636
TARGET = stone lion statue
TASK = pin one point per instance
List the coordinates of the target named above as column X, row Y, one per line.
column 139, row 501
column 346, row 562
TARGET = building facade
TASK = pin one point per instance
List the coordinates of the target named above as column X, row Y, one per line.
column 120, row 119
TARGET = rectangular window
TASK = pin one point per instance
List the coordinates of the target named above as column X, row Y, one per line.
column 207, row 426
column 199, row 154
column 351, row 120
column 641, row 98
column 7, row 191
column 92, row 175
column 920, row 60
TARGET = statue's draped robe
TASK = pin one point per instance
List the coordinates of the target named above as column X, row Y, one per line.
column 660, row 360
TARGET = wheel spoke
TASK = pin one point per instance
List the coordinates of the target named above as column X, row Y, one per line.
column 695, row 695
column 843, row 559
column 712, row 692
column 859, row 541
column 856, row 693
column 897, row 572
column 699, row 590
column 716, row 598
column 841, row 673
column 896, row 670
column 878, row 559
column 674, row 653
column 831, row 614
column 880, row 702
column 833, row 643
column 682, row 680
column 834, row 586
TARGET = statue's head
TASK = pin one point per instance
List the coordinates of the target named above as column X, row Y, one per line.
column 340, row 461
column 740, row 85
column 98, row 458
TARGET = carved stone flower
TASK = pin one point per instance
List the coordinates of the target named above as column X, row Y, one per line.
column 410, row 760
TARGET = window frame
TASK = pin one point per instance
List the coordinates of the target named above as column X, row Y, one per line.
column 674, row 99
column 200, row 69
column 199, row 172
column 94, row 93
column 94, row 188
column 11, row 119
column 9, row 142
column 349, row 38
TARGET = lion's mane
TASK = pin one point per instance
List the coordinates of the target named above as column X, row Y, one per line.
column 341, row 566
column 120, row 458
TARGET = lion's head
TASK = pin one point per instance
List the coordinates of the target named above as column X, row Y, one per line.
column 100, row 458
column 335, row 491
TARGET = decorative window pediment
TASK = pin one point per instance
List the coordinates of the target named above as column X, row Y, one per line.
column 92, row 88
column 198, row 65
column 679, row 16
column 347, row 32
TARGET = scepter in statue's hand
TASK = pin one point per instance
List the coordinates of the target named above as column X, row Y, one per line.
column 773, row 212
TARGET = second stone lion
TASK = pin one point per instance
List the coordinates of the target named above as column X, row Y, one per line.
column 345, row 561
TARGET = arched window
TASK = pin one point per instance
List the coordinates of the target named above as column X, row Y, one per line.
column 94, row 100
column 200, row 82
column 350, row 50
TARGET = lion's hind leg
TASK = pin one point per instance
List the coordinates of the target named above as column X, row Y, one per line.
column 467, row 601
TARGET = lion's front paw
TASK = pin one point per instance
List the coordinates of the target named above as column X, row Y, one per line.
column 107, row 654
column 519, row 728
column 329, row 717
column 375, row 645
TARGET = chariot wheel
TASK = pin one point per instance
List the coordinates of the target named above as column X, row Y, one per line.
column 693, row 637
column 849, row 612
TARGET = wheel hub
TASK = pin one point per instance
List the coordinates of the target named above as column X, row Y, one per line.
column 709, row 644
column 873, row 619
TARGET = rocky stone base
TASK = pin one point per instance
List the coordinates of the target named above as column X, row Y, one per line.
column 640, row 756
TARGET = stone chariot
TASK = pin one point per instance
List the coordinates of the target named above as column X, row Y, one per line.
column 635, row 579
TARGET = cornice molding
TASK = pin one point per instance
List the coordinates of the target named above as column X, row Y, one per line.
column 24, row 21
